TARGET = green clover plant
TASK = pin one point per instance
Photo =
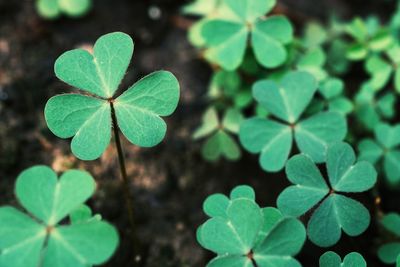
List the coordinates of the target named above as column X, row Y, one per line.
column 389, row 253
column 52, row 9
column 386, row 149
column 368, row 37
column 41, row 238
column 219, row 142
column 333, row 210
column 331, row 259
column 287, row 101
column 226, row 37
column 244, row 235
column 88, row 117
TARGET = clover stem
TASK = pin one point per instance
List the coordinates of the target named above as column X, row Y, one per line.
column 125, row 180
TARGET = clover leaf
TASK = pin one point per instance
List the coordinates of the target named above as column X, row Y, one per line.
column 226, row 38
column 51, row 9
column 332, row 91
column 371, row 108
column 313, row 61
column 368, row 37
column 243, row 234
column 287, row 101
column 385, row 148
column 219, row 142
column 331, row 259
column 38, row 237
column 88, row 117
column 335, row 211
column 389, row 253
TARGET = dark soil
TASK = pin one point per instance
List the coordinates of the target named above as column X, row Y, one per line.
column 170, row 181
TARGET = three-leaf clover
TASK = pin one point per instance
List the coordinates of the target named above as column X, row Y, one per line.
column 38, row 238
column 335, row 211
column 52, row 9
column 88, row 118
column 227, row 38
column 331, row 259
column 287, row 101
column 244, row 235
column 219, row 142
column 390, row 253
column 368, row 36
column 386, row 147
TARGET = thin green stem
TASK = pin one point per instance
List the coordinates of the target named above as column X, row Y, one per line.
column 127, row 196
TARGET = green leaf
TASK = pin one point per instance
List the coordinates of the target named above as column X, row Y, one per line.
column 389, row 253
column 391, row 222
column 21, row 239
column 230, row 261
column 85, row 118
column 235, row 234
column 243, row 191
column 331, row 259
column 392, row 166
column 139, row 108
column 83, row 244
column 315, row 134
column 331, row 88
column 75, row 8
column 357, row 29
column 249, row 10
column 50, row 199
column 216, row 205
column 268, row 38
column 227, row 42
column 48, row 9
column 100, row 73
column 357, row 52
column 209, row 124
column 335, row 213
column 272, row 139
column 370, row 151
column 387, row 135
column 309, row 186
column 380, row 71
column 81, row 214
column 342, row 105
column 232, row 119
column 220, row 145
column 344, row 175
column 288, row 99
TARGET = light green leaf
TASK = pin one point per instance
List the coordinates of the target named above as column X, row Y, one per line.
column 272, row 139
column 48, row 9
column 331, row 88
column 216, row 205
column 230, row 261
column 75, row 8
column 139, row 108
column 81, row 214
column 268, row 38
column 331, row 259
column 387, row 135
column 50, row 199
column 227, row 42
column 391, row 222
column 344, row 175
column 314, row 134
column 309, row 186
column 389, row 253
column 243, row 191
column 232, row 119
column 249, row 10
column 357, row 52
column 342, row 105
column 288, row 99
column 100, row 73
column 209, row 124
column 220, row 145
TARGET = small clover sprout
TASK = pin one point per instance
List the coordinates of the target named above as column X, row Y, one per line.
column 335, row 211
column 385, row 147
column 52, row 9
column 244, row 235
column 331, row 259
column 88, row 117
column 332, row 91
column 390, row 253
column 38, row 238
column 371, row 108
column 226, row 37
column 219, row 142
column 368, row 37
column 287, row 102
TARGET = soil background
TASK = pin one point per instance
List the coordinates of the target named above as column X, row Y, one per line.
column 170, row 181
